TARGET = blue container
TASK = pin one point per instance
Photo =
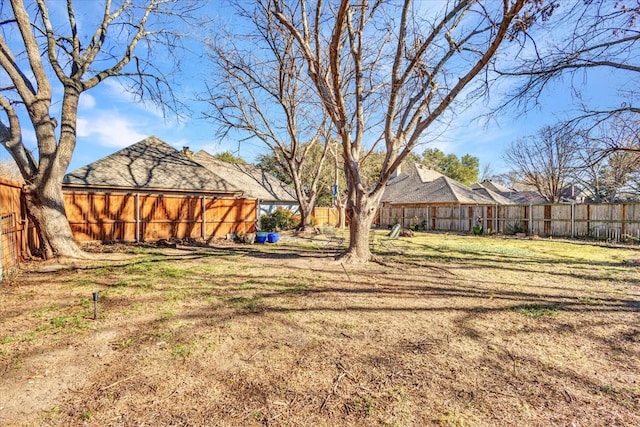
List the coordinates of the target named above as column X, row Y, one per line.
column 273, row 237
column 261, row 236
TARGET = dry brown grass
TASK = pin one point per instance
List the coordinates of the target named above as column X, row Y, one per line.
column 450, row 331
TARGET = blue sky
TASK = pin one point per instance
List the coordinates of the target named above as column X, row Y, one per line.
column 110, row 119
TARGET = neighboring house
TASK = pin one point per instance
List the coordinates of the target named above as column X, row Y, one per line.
column 433, row 201
column 493, row 186
column 496, row 197
column 421, row 185
column 149, row 165
column 404, row 182
column 522, row 196
column 151, row 191
column 574, row 194
column 270, row 192
column 442, row 191
column 527, row 197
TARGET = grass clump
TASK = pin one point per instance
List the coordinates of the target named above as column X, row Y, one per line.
column 247, row 303
column 536, row 310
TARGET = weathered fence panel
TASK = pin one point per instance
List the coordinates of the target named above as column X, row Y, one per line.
column 10, row 244
column 610, row 221
column 631, row 226
column 224, row 216
column 163, row 216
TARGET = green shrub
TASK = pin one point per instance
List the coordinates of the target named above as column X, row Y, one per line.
column 280, row 219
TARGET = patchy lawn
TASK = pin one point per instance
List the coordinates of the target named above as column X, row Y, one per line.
column 449, row 330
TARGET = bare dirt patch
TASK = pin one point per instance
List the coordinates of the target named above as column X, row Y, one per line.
column 445, row 332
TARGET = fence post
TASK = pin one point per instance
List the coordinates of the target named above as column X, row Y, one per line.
column 137, row 214
column 428, row 225
column 204, row 217
column 573, row 220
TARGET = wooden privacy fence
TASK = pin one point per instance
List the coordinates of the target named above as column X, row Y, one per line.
column 137, row 217
column 124, row 217
column 606, row 221
column 326, row 216
column 17, row 236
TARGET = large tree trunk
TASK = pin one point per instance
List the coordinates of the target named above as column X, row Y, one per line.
column 306, row 202
column 46, row 207
column 306, row 223
column 363, row 212
column 43, row 194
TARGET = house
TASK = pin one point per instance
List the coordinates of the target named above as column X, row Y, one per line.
column 523, row 195
column 406, row 182
column 150, row 165
column 270, row 192
column 151, row 191
column 426, row 199
column 492, row 195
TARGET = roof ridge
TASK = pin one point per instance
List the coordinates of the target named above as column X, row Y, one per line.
column 256, row 181
column 448, row 184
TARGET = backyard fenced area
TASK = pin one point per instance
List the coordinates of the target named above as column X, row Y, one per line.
column 112, row 216
column 619, row 222
column 450, row 330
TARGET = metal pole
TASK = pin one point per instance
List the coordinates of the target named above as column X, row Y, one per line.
column 95, row 305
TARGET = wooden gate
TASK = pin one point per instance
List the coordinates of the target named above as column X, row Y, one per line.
column 10, row 243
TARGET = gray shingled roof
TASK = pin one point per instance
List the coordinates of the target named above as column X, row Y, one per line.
column 409, row 181
column 524, row 197
column 496, row 197
column 426, row 174
column 495, row 187
column 513, row 196
column 443, row 190
column 252, row 180
column 422, row 185
column 149, row 164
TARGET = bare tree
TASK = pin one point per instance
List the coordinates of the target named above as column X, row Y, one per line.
column 611, row 156
column 386, row 72
column 547, row 161
column 308, row 172
column 43, row 53
column 583, row 36
column 262, row 93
